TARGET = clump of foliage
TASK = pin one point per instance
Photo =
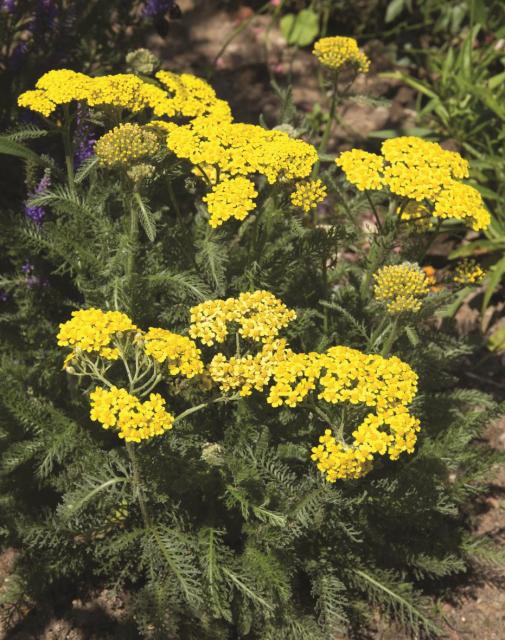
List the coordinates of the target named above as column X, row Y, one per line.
column 285, row 447
column 460, row 79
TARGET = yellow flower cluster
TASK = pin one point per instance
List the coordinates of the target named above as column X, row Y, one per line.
column 242, row 149
column 468, row 272
column 344, row 375
column 191, row 97
column 308, row 195
column 125, row 144
column 231, row 198
column 341, row 374
column 335, row 52
column 259, row 315
column 401, row 287
column 185, row 95
column 361, row 168
column 462, row 202
column 229, row 154
column 134, row 420
column 347, row 375
column 250, row 372
column 338, row 460
column 419, row 171
column 181, row 353
column 92, row 330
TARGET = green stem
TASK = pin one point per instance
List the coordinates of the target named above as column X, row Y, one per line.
column 327, row 130
column 331, row 117
column 199, row 407
column 174, row 202
column 377, row 332
column 95, row 372
column 237, row 31
column 138, row 490
column 149, row 386
column 374, row 210
column 67, row 145
column 393, row 334
column 130, row 264
column 124, row 360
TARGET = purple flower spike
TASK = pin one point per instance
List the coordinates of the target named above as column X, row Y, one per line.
column 155, row 8
column 8, row 5
column 37, row 212
column 84, row 140
column 18, row 56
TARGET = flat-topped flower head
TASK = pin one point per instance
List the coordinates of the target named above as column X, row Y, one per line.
column 391, row 433
column 126, row 144
column 182, row 95
column 134, row 420
column 342, row 374
column 92, row 330
column 426, row 177
column 339, row 51
column 260, row 316
column 242, row 149
column 307, row 195
column 462, row 202
column 402, row 287
column 468, row 272
column 230, row 198
column 180, row 353
column 250, row 372
column 362, row 169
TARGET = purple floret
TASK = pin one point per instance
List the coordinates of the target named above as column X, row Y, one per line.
column 155, row 8
column 8, row 5
column 36, row 213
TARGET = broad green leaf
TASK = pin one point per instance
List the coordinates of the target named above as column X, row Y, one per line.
column 496, row 341
column 479, row 246
column 496, row 81
column 395, row 7
column 300, row 29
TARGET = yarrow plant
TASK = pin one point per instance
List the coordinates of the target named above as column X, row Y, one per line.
column 415, row 170
column 273, row 391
